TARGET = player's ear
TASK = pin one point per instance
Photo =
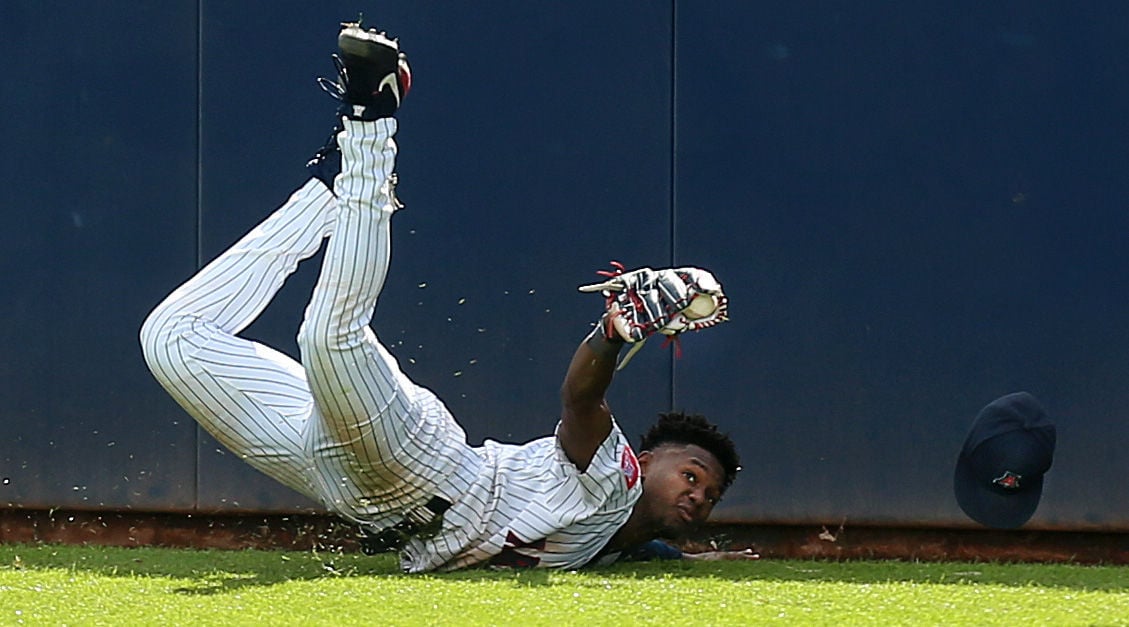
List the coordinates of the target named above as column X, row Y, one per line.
column 644, row 460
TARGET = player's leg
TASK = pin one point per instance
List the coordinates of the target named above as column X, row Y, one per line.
column 252, row 399
column 383, row 444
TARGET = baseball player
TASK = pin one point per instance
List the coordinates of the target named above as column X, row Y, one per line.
column 346, row 427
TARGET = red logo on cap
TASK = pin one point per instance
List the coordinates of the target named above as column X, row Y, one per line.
column 630, row 465
column 1008, row 480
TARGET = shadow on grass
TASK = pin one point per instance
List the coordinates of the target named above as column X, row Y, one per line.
column 206, row 572
column 203, row 571
column 384, row 567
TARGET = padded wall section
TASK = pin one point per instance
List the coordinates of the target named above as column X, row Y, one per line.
column 99, row 179
column 915, row 211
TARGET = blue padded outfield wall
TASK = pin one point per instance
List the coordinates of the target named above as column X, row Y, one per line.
column 913, row 211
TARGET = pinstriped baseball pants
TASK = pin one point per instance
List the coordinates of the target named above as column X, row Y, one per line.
column 344, row 426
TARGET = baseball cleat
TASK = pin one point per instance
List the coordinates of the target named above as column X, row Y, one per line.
column 373, row 76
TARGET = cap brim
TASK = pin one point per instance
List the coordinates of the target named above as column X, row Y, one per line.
column 991, row 507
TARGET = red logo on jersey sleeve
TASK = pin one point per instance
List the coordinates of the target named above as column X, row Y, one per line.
column 630, row 465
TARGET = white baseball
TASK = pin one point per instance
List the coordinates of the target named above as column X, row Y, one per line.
column 702, row 306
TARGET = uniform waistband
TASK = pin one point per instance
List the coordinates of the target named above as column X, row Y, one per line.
column 421, row 521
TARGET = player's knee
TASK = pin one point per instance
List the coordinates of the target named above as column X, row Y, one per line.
column 158, row 340
column 306, row 341
column 151, row 331
column 322, row 336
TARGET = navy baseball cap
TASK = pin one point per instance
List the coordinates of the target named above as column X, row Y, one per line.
column 999, row 474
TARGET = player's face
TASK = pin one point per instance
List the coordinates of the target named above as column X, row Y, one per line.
column 681, row 486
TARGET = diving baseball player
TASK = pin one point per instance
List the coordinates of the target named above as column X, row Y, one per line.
column 344, row 425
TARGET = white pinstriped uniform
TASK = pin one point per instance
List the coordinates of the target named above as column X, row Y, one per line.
column 346, row 427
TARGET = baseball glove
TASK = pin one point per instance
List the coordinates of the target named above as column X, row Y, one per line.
column 642, row 302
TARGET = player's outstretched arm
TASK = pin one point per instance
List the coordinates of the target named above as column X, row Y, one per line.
column 586, row 419
column 659, row 550
column 638, row 304
column 717, row 556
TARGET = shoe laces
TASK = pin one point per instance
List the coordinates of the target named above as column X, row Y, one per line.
column 336, row 89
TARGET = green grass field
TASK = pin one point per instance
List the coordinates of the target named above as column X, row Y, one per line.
column 57, row 585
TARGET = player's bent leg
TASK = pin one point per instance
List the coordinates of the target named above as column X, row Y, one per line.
column 251, row 398
column 383, row 442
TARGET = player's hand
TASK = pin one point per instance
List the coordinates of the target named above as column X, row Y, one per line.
column 717, row 556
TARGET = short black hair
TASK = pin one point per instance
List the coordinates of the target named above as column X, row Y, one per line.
column 676, row 427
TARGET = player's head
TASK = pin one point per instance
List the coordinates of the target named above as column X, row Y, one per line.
column 687, row 464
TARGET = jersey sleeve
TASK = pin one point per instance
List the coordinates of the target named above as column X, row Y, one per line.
column 612, row 475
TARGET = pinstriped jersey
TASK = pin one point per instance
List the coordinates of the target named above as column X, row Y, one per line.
column 530, row 506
